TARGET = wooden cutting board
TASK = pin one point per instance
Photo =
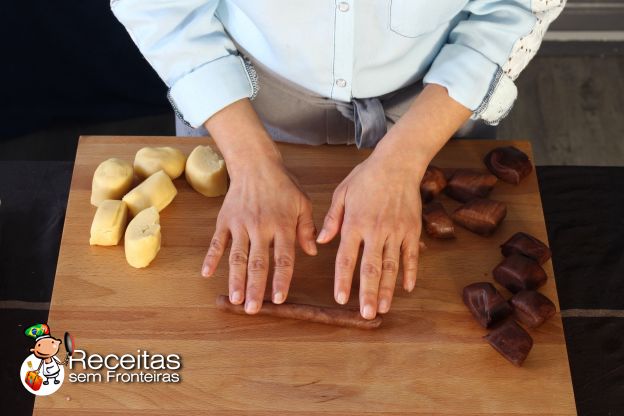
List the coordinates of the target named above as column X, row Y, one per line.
column 428, row 358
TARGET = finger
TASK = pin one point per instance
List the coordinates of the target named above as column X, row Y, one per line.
column 215, row 251
column 370, row 275
column 284, row 260
column 346, row 258
column 306, row 231
column 257, row 272
column 238, row 266
column 409, row 254
column 333, row 219
column 389, row 271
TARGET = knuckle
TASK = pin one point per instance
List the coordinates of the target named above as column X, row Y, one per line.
column 211, row 257
column 284, row 261
column 345, row 262
column 255, row 288
column 369, row 270
column 238, row 258
column 281, row 281
column 236, row 280
column 253, row 291
column 330, row 218
column 257, row 264
column 216, row 245
column 389, row 266
column 411, row 263
column 412, row 256
column 306, row 223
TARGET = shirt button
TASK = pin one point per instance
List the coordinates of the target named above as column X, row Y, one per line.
column 341, row 83
column 343, row 6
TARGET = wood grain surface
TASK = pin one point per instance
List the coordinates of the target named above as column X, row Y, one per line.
column 428, row 358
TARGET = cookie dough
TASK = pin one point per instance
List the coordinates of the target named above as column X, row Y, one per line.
column 206, row 172
column 150, row 160
column 156, row 191
column 111, row 180
column 142, row 239
column 108, row 223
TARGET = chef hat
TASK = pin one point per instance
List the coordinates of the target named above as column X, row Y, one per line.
column 38, row 331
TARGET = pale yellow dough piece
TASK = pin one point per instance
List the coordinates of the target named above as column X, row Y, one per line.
column 111, row 180
column 142, row 239
column 108, row 223
column 206, row 172
column 156, row 191
column 150, row 160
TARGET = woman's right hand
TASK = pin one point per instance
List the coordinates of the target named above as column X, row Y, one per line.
column 264, row 206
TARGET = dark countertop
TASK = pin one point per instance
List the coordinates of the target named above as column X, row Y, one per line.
column 584, row 210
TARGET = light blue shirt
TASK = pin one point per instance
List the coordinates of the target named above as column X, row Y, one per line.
column 338, row 49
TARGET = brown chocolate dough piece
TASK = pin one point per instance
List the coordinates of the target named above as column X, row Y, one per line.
column 437, row 222
column 509, row 163
column 432, row 184
column 522, row 243
column 350, row 318
column 466, row 184
column 531, row 308
column 511, row 341
column 485, row 303
column 482, row 216
column 517, row 272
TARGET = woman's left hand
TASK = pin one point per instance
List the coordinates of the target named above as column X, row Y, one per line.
column 377, row 204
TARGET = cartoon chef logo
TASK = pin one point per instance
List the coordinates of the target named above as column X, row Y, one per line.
column 42, row 373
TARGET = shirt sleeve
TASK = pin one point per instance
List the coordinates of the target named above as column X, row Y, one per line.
column 187, row 46
column 486, row 52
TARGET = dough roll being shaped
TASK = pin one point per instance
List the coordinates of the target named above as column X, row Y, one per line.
column 350, row 318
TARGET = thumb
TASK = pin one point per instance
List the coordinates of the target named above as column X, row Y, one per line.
column 333, row 219
column 306, row 231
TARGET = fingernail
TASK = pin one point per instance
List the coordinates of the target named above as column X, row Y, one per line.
column 278, row 297
column 384, row 306
column 236, row 298
column 410, row 285
column 368, row 312
column 251, row 306
column 312, row 249
column 205, row 270
column 341, row 298
column 321, row 236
